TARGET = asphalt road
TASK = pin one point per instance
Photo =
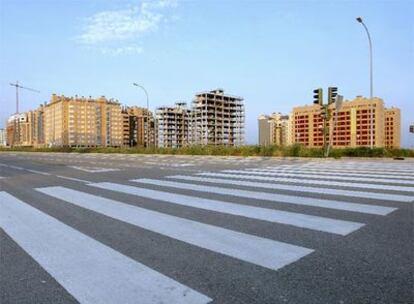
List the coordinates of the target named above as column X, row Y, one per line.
column 107, row 228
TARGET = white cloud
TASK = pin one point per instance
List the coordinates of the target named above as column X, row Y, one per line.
column 114, row 31
column 124, row 50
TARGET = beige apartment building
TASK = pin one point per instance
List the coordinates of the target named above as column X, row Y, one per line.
column 274, row 129
column 218, row 119
column 392, row 128
column 353, row 124
column 25, row 129
column 82, row 122
column 138, row 127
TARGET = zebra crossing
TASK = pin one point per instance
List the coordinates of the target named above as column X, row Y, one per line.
column 89, row 269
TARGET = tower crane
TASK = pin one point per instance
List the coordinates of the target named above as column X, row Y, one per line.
column 18, row 86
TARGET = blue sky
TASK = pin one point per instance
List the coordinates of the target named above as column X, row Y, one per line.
column 272, row 53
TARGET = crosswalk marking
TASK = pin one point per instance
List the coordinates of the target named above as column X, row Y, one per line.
column 301, row 189
column 91, row 271
column 333, row 173
column 94, row 169
column 311, row 182
column 38, row 172
column 320, row 176
column 272, row 254
column 356, row 168
column 290, row 218
column 274, row 197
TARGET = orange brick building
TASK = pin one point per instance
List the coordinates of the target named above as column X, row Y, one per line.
column 353, row 126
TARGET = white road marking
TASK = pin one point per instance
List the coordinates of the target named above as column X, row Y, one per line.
column 73, row 179
column 272, row 254
column 333, row 173
column 274, row 197
column 15, row 167
column 319, row 176
column 94, row 169
column 38, row 172
column 354, row 168
column 89, row 270
column 311, row 182
column 302, row 189
column 276, row 216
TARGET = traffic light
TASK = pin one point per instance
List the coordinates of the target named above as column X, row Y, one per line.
column 332, row 92
column 412, row 128
column 317, row 96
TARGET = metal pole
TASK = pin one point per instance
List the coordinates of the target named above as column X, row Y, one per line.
column 371, row 88
column 146, row 94
column 17, row 97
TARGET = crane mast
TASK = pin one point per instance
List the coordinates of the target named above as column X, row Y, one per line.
column 18, row 86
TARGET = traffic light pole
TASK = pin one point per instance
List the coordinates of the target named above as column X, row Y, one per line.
column 327, row 132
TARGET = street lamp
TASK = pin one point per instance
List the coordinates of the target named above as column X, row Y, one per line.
column 359, row 19
column 145, row 91
column 146, row 94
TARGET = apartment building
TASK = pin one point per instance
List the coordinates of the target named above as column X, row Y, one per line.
column 392, row 128
column 3, row 137
column 218, row 119
column 25, row 129
column 274, row 129
column 173, row 126
column 353, row 124
column 138, row 127
column 83, row 122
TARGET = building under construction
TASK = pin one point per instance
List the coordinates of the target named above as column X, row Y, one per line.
column 218, row 119
column 174, row 126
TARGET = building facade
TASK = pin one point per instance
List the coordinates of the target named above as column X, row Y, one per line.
column 218, row 119
column 174, row 126
column 25, row 129
column 351, row 125
column 3, row 138
column 274, row 129
column 138, row 127
column 392, row 128
column 214, row 119
column 83, row 122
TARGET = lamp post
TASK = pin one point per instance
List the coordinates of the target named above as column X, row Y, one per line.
column 147, row 129
column 359, row 19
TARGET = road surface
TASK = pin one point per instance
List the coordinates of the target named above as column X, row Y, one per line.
column 109, row 228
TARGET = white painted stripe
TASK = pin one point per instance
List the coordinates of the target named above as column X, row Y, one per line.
column 320, row 176
column 16, row 167
column 355, row 168
column 311, row 182
column 276, row 216
column 37, row 172
column 333, row 173
column 272, row 254
column 73, row 179
column 303, row 189
column 90, row 271
column 274, row 197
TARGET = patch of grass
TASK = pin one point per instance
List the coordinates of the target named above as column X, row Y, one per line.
column 295, row 150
